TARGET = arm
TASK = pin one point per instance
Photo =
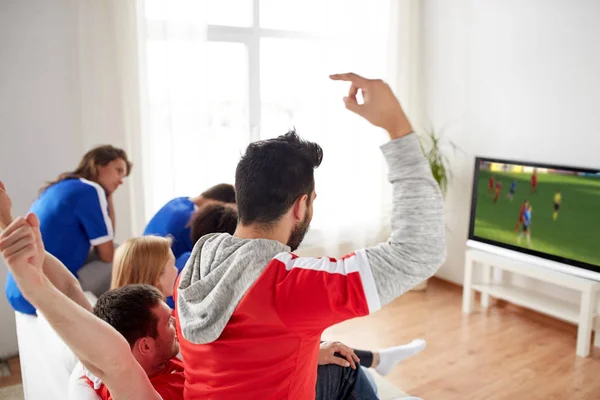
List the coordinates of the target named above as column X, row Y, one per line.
column 105, row 251
column 100, row 348
column 417, row 246
column 64, row 281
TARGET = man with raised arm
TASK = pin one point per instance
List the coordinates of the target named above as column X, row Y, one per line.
column 247, row 307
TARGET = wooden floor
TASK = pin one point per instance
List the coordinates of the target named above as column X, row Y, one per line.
column 505, row 352
column 15, row 376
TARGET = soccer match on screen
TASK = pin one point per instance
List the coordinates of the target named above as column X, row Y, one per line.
column 547, row 210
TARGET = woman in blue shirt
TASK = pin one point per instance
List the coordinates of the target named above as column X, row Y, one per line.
column 76, row 213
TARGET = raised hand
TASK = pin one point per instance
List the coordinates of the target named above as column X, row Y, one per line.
column 5, row 207
column 380, row 107
column 22, row 248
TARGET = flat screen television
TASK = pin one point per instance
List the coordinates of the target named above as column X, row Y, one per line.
column 548, row 213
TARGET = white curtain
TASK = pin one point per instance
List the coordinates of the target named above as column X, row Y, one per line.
column 405, row 76
column 219, row 74
column 180, row 152
column 107, row 40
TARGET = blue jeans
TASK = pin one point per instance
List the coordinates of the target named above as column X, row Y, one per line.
column 340, row 383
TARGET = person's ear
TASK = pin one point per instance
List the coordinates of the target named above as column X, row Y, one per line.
column 300, row 207
column 144, row 346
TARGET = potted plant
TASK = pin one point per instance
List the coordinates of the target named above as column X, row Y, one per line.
column 431, row 144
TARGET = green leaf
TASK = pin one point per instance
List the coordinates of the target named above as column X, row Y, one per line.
column 438, row 162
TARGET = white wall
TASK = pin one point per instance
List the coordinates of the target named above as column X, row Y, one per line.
column 514, row 79
column 49, row 113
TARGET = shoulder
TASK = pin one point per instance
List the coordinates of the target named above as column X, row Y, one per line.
column 181, row 202
column 89, row 192
column 68, row 185
column 178, row 206
column 73, row 188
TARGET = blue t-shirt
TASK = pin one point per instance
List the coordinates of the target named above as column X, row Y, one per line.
column 179, row 263
column 527, row 217
column 513, row 186
column 172, row 220
column 73, row 216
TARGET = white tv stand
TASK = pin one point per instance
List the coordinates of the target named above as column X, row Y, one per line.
column 582, row 315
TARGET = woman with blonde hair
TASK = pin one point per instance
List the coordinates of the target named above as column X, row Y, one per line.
column 147, row 260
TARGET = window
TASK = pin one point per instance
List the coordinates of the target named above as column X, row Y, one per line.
column 223, row 73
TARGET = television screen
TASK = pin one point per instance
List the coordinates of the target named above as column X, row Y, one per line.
column 547, row 211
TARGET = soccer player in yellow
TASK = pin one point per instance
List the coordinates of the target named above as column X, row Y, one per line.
column 557, row 201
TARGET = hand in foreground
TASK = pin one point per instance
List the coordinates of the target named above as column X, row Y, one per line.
column 22, row 249
column 327, row 355
column 380, row 107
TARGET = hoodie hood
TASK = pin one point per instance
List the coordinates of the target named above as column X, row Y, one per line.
column 219, row 272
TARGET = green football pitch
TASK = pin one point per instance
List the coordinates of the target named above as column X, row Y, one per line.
column 576, row 232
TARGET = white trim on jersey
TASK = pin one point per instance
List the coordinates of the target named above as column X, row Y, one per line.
column 355, row 263
column 97, row 382
column 366, row 276
column 101, row 240
column 104, row 208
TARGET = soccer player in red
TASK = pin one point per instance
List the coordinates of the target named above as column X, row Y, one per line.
column 534, row 182
column 524, row 207
column 491, row 185
column 498, row 189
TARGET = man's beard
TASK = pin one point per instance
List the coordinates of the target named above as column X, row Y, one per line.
column 298, row 233
column 165, row 352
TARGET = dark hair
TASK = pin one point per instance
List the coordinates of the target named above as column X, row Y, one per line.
column 272, row 174
column 88, row 166
column 213, row 218
column 222, row 192
column 128, row 309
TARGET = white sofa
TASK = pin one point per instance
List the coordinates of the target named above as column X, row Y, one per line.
column 46, row 362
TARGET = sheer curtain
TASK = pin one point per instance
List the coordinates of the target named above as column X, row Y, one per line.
column 218, row 74
column 109, row 88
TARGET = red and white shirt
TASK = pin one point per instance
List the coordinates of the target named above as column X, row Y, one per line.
column 169, row 383
column 269, row 348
